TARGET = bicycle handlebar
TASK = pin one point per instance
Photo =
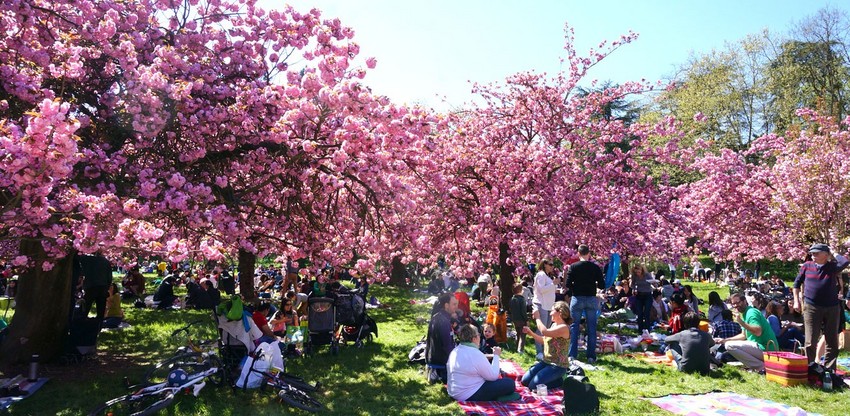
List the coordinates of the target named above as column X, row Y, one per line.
column 185, row 328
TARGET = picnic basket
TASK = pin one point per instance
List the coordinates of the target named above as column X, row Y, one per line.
column 786, row 368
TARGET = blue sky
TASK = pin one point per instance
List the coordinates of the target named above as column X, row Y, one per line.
column 427, row 50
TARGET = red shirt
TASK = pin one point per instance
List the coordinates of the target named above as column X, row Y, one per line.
column 260, row 319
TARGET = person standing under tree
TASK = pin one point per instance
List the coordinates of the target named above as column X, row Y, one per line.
column 584, row 279
column 544, row 295
column 821, row 282
column 519, row 316
column 98, row 277
column 642, row 290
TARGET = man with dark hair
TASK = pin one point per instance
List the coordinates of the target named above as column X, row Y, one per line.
column 440, row 339
column 748, row 347
column 726, row 327
column 165, row 293
column 821, row 283
column 691, row 348
column 584, row 280
column 98, row 277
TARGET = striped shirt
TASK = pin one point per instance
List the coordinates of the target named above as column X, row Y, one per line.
column 820, row 282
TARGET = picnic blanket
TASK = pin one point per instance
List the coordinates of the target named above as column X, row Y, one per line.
column 653, row 358
column 528, row 404
column 27, row 387
column 844, row 362
column 726, row 404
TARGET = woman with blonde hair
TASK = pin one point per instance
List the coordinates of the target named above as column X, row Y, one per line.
column 642, row 291
column 556, row 348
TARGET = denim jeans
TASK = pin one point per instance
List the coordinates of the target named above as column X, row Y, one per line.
column 643, row 308
column 541, row 373
column 546, row 317
column 587, row 306
column 492, row 390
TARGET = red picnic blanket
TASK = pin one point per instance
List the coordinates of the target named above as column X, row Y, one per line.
column 528, row 404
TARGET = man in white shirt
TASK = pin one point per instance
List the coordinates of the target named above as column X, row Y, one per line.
column 483, row 283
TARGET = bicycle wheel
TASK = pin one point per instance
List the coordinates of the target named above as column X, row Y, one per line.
column 191, row 363
column 299, row 399
column 297, row 382
column 135, row 405
column 219, row 377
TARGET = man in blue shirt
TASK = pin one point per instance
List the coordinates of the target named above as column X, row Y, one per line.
column 821, row 283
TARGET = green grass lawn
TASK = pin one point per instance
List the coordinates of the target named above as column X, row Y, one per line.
column 374, row 380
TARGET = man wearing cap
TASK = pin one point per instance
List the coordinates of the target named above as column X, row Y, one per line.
column 821, row 282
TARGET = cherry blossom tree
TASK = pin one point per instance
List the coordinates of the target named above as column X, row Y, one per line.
column 537, row 169
column 187, row 129
column 776, row 198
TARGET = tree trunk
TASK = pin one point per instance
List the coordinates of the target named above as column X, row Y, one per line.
column 43, row 307
column 247, row 264
column 398, row 273
column 506, row 275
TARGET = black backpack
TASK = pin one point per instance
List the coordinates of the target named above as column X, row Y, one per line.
column 579, row 397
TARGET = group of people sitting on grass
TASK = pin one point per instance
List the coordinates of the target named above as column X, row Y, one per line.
column 740, row 328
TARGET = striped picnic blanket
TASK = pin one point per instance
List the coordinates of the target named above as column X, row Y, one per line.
column 725, row 404
column 529, row 403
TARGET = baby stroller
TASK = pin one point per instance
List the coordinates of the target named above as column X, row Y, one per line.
column 321, row 324
column 356, row 325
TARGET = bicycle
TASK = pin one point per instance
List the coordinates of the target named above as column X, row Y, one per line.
column 192, row 358
column 293, row 390
column 151, row 399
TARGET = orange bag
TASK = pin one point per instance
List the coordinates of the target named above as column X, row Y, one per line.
column 499, row 320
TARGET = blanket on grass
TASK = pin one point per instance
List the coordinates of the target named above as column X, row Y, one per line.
column 27, row 390
column 653, row 358
column 726, row 404
column 528, row 404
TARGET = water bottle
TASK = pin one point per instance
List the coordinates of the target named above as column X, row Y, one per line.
column 33, row 374
column 827, row 381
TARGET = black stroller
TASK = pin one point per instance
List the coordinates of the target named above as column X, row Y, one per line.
column 321, row 325
column 351, row 315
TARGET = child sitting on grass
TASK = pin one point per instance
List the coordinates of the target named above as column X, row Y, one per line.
column 489, row 341
column 691, row 346
column 677, row 309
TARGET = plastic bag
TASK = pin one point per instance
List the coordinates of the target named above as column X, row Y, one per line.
column 251, row 376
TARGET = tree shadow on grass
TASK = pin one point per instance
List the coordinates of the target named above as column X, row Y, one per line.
column 639, row 367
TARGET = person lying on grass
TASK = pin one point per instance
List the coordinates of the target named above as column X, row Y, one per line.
column 471, row 377
column 556, row 346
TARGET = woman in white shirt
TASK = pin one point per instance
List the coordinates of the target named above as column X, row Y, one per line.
column 544, row 291
column 471, row 377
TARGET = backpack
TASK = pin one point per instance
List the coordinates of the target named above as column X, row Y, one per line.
column 417, row 354
column 232, row 309
column 579, row 397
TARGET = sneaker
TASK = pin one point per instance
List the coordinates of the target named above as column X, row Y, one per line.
column 591, row 361
column 539, row 356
